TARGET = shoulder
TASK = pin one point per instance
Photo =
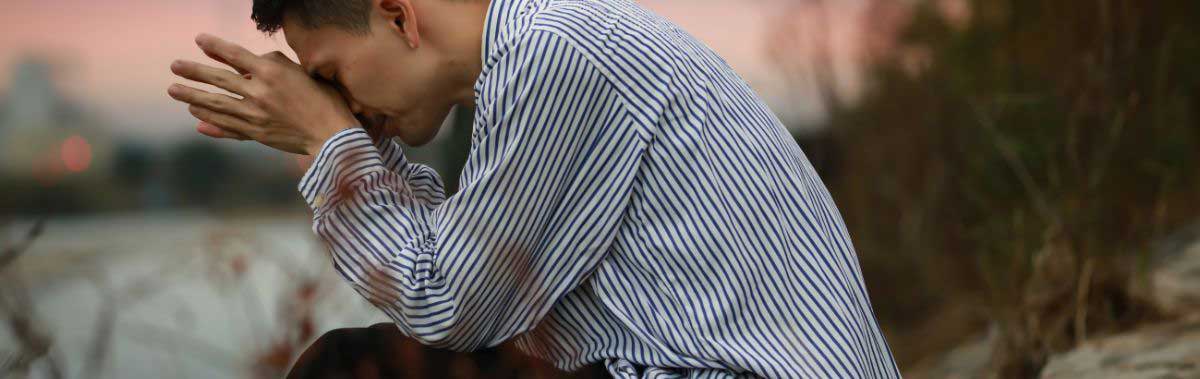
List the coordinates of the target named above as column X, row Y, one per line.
column 582, row 25
column 615, row 39
column 545, row 35
column 610, row 33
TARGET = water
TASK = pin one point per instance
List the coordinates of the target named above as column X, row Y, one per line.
column 186, row 294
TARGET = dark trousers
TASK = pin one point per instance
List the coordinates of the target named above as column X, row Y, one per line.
column 380, row 351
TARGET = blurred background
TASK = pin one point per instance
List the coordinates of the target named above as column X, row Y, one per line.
column 1019, row 177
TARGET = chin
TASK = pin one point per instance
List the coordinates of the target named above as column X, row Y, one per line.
column 415, row 140
column 417, row 127
column 414, row 137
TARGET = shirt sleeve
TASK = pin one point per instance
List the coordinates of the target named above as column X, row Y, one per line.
column 549, row 177
column 392, row 156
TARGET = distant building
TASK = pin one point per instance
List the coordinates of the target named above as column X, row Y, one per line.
column 43, row 136
column 32, row 100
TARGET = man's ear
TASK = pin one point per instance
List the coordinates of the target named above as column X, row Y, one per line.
column 403, row 19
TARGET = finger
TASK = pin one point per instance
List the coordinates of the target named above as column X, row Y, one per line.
column 222, row 120
column 279, row 57
column 223, row 61
column 274, row 56
column 216, row 132
column 224, row 79
column 229, row 53
column 215, row 101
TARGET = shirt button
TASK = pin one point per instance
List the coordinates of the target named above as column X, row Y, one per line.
column 319, row 201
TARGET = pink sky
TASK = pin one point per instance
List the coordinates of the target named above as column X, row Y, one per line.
column 113, row 55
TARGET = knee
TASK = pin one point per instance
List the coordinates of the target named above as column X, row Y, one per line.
column 335, row 351
column 337, row 335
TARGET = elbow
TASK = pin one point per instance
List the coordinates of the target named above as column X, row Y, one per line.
column 445, row 330
column 431, row 313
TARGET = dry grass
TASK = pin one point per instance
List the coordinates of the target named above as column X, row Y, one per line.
column 1019, row 177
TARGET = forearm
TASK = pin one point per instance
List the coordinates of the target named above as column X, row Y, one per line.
column 372, row 210
column 348, row 156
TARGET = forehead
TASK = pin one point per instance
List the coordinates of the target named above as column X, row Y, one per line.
column 300, row 39
column 314, row 46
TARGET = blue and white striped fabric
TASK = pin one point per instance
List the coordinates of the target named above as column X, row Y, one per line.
column 627, row 200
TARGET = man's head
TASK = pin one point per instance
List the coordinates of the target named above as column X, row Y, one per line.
column 401, row 64
column 349, row 15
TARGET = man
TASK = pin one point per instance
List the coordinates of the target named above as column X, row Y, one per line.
column 628, row 200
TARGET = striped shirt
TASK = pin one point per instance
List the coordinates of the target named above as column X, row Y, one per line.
column 627, row 200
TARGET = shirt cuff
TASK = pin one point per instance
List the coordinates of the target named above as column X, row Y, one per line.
column 392, row 154
column 345, row 157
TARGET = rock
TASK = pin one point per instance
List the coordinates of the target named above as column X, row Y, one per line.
column 970, row 360
column 1162, row 351
column 1172, row 281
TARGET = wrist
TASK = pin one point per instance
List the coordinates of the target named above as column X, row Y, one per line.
column 328, row 131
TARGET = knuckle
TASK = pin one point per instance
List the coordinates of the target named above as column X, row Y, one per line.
column 258, row 102
column 198, row 111
column 219, row 81
column 257, row 119
column 249, row 93
column 219, row 78
column 256, row 93
column 269, row 72
column 217, row 102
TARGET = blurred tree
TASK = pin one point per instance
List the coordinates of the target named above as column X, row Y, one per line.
column 1018, row 156
column 198, row 172
column 132, row 165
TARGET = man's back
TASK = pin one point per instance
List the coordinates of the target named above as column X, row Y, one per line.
column 731, row 255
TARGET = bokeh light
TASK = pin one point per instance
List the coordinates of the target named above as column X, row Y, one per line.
column 76, row 153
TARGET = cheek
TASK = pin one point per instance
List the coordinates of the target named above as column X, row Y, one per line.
column 356, row 82
column 377, row 89
column 391, row 81
column 383, row 80
column 362, row 80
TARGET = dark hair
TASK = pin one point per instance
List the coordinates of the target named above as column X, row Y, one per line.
column 350, row 15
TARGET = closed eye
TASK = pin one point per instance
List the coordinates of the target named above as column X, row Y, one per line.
column 321, row 78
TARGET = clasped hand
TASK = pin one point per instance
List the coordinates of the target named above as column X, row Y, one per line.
column 279, row 105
